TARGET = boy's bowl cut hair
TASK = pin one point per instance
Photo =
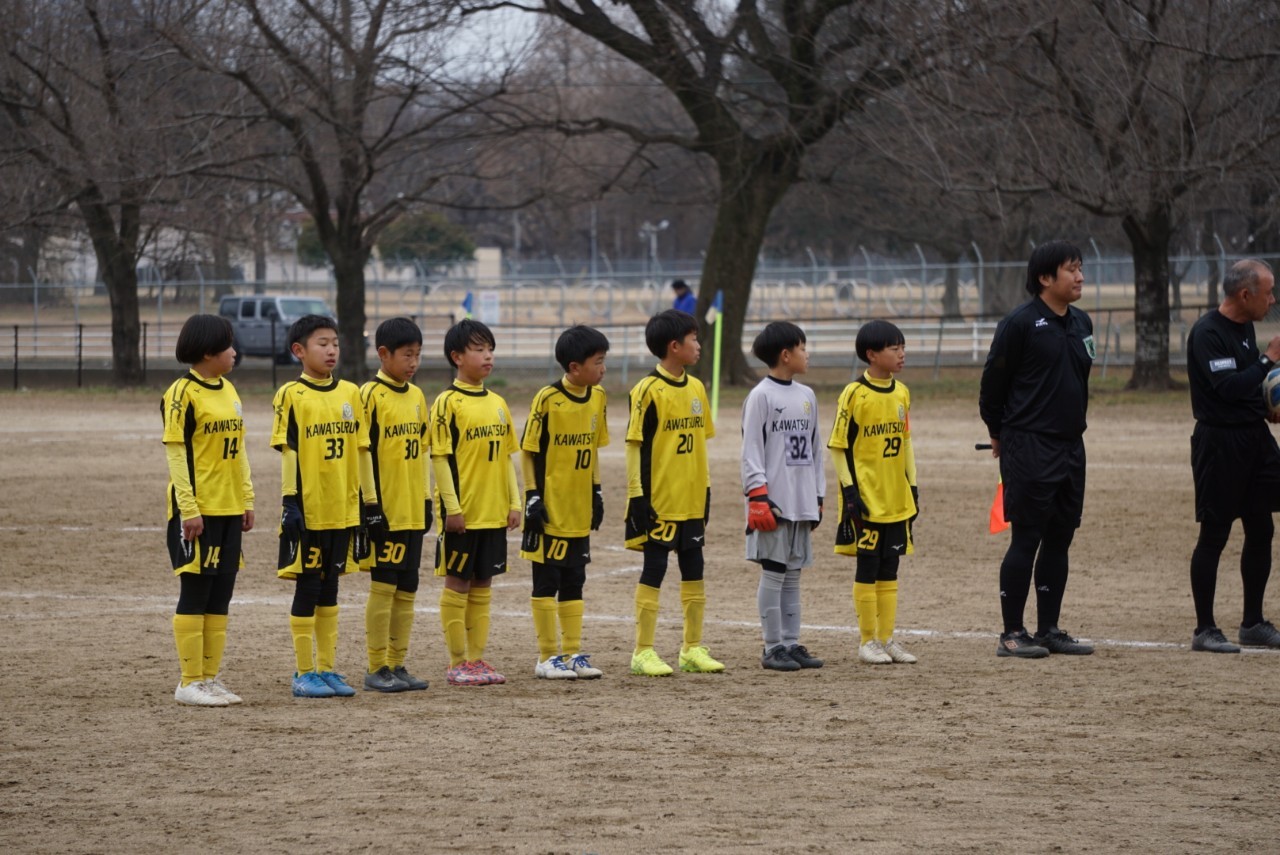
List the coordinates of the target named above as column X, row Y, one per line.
column 666, row 327
column 1045, row 261
column 303, row 328
column 395, row 333
column 877, row 335
column 775, row 338
column 578, row 344
column 466, row 332
column 201, row 336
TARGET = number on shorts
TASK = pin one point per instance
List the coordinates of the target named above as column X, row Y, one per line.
column 665, row 530
column 313, row 558
column 212, row 558
column 870, row 537
column 392, row 553
column 457, row 560
column 557, row 549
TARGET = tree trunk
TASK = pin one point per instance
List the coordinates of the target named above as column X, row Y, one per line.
column 1150, row 237
column 116, row 252
column 348, row 272
column 1209, row 249
column 951, row 287
column 748, row 194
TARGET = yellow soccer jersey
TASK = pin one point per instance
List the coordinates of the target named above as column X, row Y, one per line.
column 396, row 416
column 206, row 418
column 322, row 423
column 472, row 427
column 564, row 433
column 873, row 429
column 671, row 422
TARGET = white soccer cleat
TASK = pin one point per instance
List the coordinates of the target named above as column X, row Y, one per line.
column 554, row 668
column 898, row 653
column 196, row 695
column 215, row 687
column 580, row 664
column 873, row 653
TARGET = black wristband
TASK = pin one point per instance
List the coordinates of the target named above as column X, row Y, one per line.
column 1266, row 362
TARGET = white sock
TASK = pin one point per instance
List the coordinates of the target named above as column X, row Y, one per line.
column 769, row 599
column 790, row 603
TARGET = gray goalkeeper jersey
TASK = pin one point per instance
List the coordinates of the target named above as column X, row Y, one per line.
column 781, row 447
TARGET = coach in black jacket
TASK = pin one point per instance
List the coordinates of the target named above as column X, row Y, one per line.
column 1234, row 458
column 1034, row 395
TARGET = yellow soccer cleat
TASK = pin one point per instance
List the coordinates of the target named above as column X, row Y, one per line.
column 647, row 663
column 697, row 660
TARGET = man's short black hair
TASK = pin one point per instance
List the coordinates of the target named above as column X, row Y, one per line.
column 666, row 327
column 1045, row 261
column 775, row 338
column 395, row 333
column 302, row 329
column 679, row 285
column 877, row 335
column 578, row 344
column 201, row 336
column 466, row 332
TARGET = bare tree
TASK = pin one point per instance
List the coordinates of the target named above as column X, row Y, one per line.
column 358, row 114
column 89, row 105
column 756, row 85
column 1122, row 109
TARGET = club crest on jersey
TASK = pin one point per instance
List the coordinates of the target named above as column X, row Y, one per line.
column 502, row 415
column 807, row 408
column 697, row 406
column 348, row 414
column 239, row 410
column 1090, row 348
column 594, row 423
column 902, row 413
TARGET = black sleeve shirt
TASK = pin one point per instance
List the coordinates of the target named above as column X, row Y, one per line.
column 1224, row 372
column 1036, row 377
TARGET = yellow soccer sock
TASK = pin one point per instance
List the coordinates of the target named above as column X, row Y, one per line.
column 864, row 603
column 544, row 626
column 646, row 616
column 887, row 608
column 188, row 637
column 215, row 642
column 693, row 599
column 401, row 627
column 377, row 623
column 571, row 627
column 304, row 638
column 478, row 600
column 453, row 620
column 326, row 637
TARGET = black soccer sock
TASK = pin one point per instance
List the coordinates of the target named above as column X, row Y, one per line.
column 546, row 580
column 1051, row 574
column 572, row 581
column 1015, row 574
column 306, row 595
column 1204, row 569
column 888, row 571
column 691, row 564
column 654, row 567
column 1255, row 564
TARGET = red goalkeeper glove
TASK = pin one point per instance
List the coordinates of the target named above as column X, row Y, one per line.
column 761, row 511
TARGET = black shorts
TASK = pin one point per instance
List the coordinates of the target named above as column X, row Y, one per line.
column 1236, row 470
column 327, row 550
column 216, row 550
column 672, row 535
column 476, row 554
column 1043, row 478
column 543, row 548
column 395, row 551
column 870, row 538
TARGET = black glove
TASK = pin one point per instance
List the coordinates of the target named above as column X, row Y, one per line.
column 639, row 516
column 290, row 518
column 855, row 509
column 597, row 508
column 915, row 498
column 373, row 520
column 535, row 512
column 428, row 517
column 818, row 521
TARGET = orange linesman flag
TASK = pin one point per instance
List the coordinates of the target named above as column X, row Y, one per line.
column 996, row 521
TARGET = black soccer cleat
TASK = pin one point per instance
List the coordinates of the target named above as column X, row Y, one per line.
column 1056, row 641
column 1020, row 645
column 801, row 654
column 1211, row 640
column 778, row 660
column 1262, row 634
column 383, row 680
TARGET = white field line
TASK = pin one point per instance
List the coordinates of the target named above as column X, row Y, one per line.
column 154, row 604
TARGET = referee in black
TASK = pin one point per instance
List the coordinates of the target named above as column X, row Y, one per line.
column 1234, row 458
column 1033, row 398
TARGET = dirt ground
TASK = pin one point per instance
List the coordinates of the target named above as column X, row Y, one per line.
column 1142, row 747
